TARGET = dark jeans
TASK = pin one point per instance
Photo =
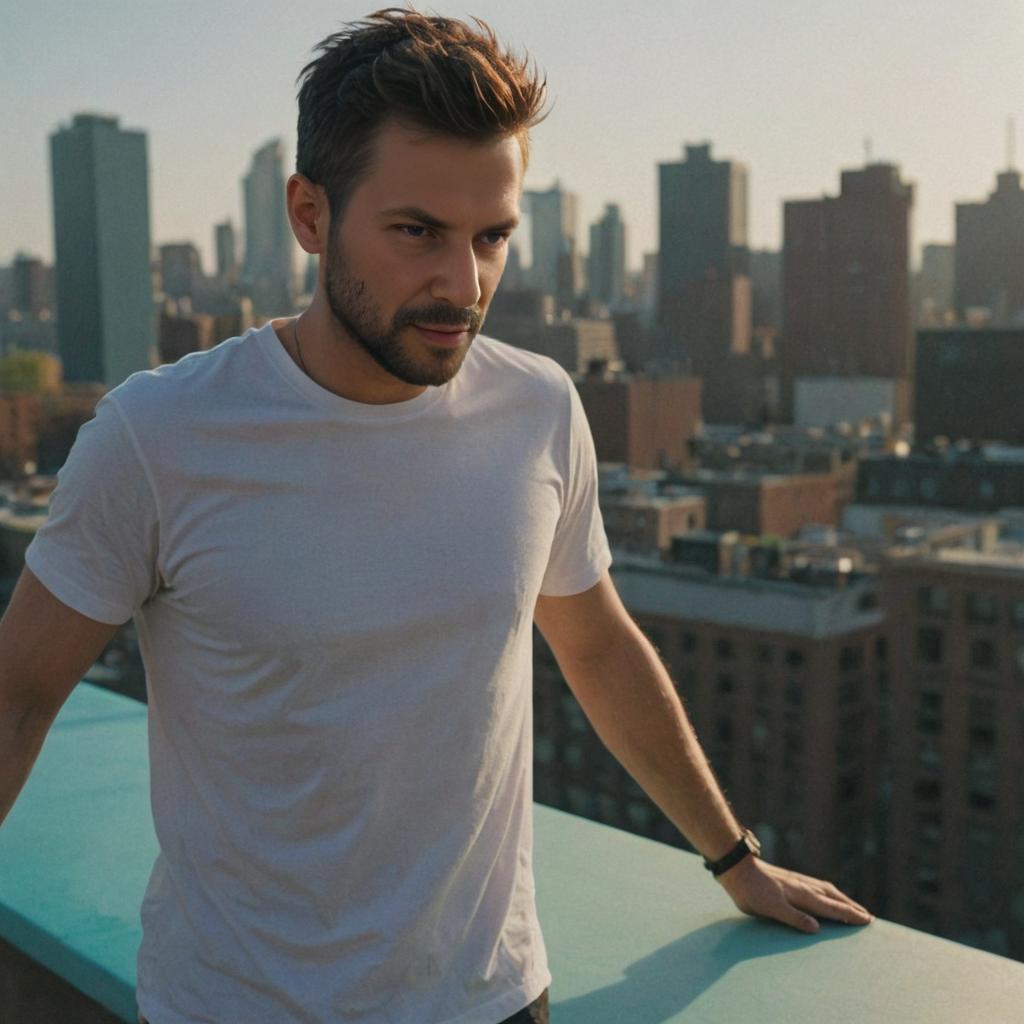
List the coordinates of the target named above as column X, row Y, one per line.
column 535, row 1013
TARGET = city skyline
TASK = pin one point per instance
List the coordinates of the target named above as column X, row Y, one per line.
column 793, row 94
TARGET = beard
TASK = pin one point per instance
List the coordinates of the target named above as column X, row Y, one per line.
column 359, row 315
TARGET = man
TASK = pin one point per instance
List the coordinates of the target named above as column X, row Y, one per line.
column 334, row 534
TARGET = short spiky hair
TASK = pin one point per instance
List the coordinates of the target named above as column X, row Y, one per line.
column 433, row 73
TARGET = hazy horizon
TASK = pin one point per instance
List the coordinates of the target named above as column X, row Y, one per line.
column 792, row 92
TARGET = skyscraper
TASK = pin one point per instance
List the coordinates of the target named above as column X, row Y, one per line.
column 227, row 251
column 553, row 219
column 704, row 291
column 180, row 270
column 268, row 267
column 989, row 254
column 606, row 262
column 105, row 306
column 846, row 284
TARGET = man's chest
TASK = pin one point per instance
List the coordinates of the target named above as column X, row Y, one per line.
column 348, row 540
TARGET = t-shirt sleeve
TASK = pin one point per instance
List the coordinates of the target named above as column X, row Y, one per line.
column 97, row 551
column 579, row 552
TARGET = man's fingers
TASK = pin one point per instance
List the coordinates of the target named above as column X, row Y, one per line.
column 843, row 910
column 838, row 894
column 796, row 918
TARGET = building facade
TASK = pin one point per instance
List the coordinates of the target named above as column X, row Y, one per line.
column 846, row 283
column 554, row 252
column 957, row 745
column 606, row 261
column 105, row 309
column 704, row 287
column 989, row 255
column 644, row 422
column 967, row 384
column 268, row 268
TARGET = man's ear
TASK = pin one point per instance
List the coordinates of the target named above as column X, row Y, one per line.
column 308, row 213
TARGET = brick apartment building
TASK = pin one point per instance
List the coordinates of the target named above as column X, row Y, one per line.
column 769, row 503
column 645, row 422
column 956, row 842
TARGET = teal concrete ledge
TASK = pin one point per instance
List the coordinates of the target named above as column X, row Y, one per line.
column 637, row 932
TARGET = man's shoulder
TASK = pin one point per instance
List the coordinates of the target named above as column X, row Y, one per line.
column 185, row 383
column 510, row 364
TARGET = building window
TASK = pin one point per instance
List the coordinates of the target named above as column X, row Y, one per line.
column 725, row 730
column 725, row 649
column 933, row 600
column 986, row 490
column 981, row 775
column 851, row 658
column 929, row 488
column 1017, row 613
column 794, row 657
column 762, row 690
column 983, row 724
column 929, row 713
column 927, row 878
column 983, row 654
column 794, row 694
column 793, row 746
column 581, row 800
column 851, row 691
column 766, row 653
column 929, row 645
column 929, row 829
column 928, row 790
column 759, row 736
column 573, row 718
column 688, row 643
column 572, row 756
column 849, row 788
column 929, row 757
column 881, row 648
column 981, row 608
column 543, row 749
column 726, row 683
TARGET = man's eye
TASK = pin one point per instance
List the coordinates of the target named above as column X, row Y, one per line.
column 413, row 230
column 494, row 237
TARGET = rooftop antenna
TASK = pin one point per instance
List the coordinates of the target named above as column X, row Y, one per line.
column 1011, row 140
column 868, row 155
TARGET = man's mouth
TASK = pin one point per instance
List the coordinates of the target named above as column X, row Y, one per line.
column 446, row 335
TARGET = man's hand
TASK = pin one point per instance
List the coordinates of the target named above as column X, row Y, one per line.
column 764, row 890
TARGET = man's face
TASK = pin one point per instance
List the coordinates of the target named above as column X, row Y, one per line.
column 414, row 262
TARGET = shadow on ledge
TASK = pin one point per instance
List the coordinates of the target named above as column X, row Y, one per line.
column 661, row 985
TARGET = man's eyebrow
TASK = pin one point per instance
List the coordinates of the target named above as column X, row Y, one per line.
column 421, row 215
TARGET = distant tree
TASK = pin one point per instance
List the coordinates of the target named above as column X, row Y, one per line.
column 29, row 373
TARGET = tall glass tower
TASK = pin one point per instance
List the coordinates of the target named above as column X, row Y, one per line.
column 268, row 269
column 105, row 313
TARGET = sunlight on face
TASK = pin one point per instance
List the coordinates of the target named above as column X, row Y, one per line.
column 420, row 249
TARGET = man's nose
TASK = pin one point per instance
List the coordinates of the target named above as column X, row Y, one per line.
column 457, row 277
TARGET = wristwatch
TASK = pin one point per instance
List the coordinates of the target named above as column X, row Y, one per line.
column 748, row 844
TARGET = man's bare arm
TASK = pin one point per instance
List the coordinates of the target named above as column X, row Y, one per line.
column 45, row 648
column 630, row 700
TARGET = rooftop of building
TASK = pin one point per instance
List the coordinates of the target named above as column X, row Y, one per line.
column 828, row 603
column 636, row 931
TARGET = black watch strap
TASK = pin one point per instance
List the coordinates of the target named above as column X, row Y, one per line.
column 747, row 844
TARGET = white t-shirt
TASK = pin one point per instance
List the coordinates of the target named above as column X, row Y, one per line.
column 334, row 604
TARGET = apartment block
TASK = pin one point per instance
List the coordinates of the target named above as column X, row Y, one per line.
column 956, row 833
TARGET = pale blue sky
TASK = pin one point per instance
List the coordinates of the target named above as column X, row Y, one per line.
column 791, row 88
